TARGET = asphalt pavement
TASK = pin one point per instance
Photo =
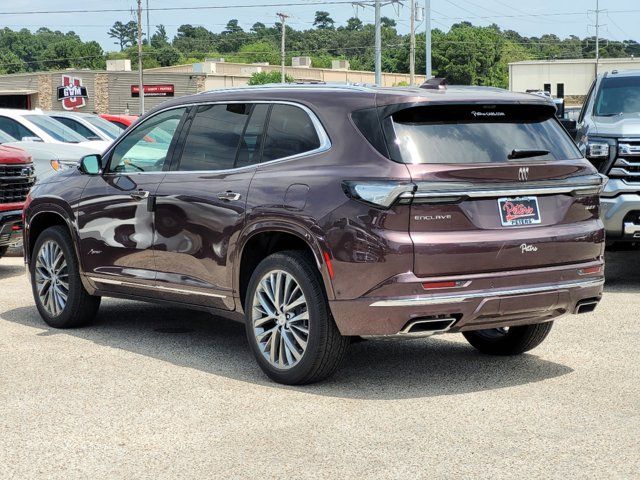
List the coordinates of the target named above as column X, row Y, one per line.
column 165, row 393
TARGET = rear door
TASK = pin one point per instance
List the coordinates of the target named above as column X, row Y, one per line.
column 498, row 188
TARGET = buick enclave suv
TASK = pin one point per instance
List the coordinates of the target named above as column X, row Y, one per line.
column 320, row 213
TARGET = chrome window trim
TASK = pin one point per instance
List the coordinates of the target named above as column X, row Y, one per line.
column 123, row 283
column 461, row 297
column 325, row 141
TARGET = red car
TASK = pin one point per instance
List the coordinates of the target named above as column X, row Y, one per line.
column 122, row 121
column 16, row 179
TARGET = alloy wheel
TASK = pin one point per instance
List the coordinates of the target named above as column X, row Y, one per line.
column 280, row 319
column 52, row 278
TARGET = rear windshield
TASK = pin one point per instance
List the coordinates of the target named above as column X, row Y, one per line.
column 480, row 135
column 618, row 95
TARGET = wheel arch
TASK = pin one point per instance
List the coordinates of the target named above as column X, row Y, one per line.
column 43, row 218
column 267, row 238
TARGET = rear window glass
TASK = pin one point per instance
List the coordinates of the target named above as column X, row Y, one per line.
column 480, row 135
column 618, row 95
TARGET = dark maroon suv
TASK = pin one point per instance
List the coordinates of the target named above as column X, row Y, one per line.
column 319, row 213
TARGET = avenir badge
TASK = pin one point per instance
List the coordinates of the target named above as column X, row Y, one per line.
column 519, row 211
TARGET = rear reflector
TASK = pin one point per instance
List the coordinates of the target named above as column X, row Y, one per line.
column 16, row 228
column 327, row 260
column 590, row 270
column 451, row 284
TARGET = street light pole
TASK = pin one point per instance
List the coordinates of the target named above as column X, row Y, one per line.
column 378, row 43
column 412, row 44
column 427, row 23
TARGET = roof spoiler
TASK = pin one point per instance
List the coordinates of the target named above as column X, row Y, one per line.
column 435, row 84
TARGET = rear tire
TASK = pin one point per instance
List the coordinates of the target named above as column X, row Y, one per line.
column 3, row 250
column 57, row 289
column 514, row 341
column 289, row 326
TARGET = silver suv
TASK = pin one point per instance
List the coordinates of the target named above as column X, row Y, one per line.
column 608, row 133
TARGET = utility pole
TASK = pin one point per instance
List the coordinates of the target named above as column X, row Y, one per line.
column 148, row 25
column 427, row 23
column 597, row 34
column 283, row 18
column 412, row 44
column 140, row 75
column 378, row 43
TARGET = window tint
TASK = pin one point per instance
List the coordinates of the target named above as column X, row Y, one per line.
column 249, row 151
column 57, row 130
column 473, row 135
column 145, row 148
column 214, row 136
column 15, row 129
column 77, row 127
column 290, row 132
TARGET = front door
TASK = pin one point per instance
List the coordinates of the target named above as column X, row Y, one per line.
column 115, row 216
column 200, row 205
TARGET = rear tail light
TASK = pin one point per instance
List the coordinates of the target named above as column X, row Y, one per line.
column 590, row 270
column 379, row 193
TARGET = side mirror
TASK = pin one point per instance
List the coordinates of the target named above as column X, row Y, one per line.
column 91, row 164
column 570, row 126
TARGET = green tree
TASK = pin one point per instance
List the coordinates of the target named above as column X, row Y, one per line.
column 167, row 56
column 263, row 78
column 232, row 27
column 126, row 34
column 354, row 24
column 323, row 21
column 11, row 63
column 160, row 38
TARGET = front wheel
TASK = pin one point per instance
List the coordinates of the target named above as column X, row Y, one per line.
column 59, row 294
column 510, row 340
column 3, row 250
column 289, row 326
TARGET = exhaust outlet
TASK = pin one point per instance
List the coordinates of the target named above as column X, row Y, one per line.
column 427, row 326
column 586, row 306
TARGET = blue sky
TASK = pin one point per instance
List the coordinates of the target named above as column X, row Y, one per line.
column 525, row 17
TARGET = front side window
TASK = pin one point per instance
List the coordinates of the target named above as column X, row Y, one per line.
column 214, row 137
column 291, row 132
column 16, row 129
column 146, row 147
column 55, row 129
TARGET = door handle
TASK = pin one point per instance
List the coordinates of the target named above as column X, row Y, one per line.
column 229, row 196
column 139, row 195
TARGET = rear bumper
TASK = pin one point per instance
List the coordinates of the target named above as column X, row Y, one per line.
column 613, row 212
column 496, row 300
column 9, row 220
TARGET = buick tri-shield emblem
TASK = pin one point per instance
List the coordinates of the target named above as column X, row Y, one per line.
column 523, row 174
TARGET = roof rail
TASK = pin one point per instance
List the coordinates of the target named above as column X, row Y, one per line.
column 435, row 83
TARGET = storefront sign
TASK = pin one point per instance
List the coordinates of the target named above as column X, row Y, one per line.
column 71, row 93
column 165, row 90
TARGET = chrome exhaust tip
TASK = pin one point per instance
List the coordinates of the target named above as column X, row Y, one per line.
column 427, row 326
column 586, row 306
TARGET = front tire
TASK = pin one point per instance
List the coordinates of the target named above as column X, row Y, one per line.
column 511, row 341
column 3, row 250
column 289, row 326
column 57, row 289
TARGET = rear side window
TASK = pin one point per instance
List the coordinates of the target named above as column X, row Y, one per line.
column 290, row 132
column 452, row 135
column 251, row 143
column 214, row 137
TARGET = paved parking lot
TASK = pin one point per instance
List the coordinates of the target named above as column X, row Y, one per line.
column 126, row 399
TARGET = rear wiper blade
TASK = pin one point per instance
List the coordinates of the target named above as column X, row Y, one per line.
column 517, row 153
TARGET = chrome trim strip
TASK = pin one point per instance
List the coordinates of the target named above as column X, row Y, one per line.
column 110, row 281
column 325, row 141
column 622, row 172
column 461, row 297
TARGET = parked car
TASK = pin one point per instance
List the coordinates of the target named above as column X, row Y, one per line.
column 16, row 179
column 608, row 133
column 121, row 121
column 49, row 158
column 90, row 126
column 35, row 126
column 319, row 213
